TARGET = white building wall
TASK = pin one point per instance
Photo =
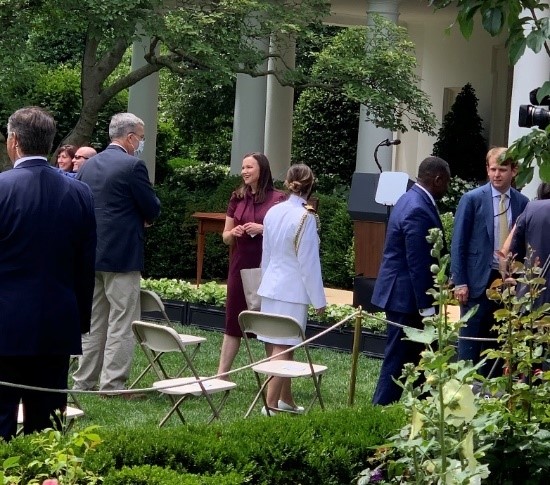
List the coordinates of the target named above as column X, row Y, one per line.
column 447, row 61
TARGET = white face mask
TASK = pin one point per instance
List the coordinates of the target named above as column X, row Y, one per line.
column 139, row 150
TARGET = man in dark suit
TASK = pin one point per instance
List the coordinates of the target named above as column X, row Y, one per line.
column 405, row 275
column 125, row 203
column 482, row 223
column 45, row 293
column 532, row 229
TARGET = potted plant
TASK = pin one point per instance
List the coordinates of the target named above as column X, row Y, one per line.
column 206, row 307
column 175, row 295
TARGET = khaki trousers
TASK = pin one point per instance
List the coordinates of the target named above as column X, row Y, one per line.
column 108, row 349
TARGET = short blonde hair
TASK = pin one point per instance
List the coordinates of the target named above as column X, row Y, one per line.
column 497, row 153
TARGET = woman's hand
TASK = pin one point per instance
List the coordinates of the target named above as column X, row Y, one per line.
column 253, row 229
column 238, row 231
column 320, row 311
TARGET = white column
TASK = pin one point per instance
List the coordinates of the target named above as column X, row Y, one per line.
column 530, row 72
column 248, row 118
column 279, row 107
column 370, row 135
column 143, row 102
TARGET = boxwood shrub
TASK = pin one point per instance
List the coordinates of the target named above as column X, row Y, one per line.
column 329, row 448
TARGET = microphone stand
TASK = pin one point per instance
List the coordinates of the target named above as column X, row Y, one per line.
column 383, row 143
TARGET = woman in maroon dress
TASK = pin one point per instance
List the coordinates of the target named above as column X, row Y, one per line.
column 243, row 229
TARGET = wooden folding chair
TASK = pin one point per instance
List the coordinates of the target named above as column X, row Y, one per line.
column 279, row 326
column 155, row 339
column 151, row 302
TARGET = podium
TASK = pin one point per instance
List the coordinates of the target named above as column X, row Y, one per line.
column 369, row 230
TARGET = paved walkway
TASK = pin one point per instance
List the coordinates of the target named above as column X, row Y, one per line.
column 342, row 297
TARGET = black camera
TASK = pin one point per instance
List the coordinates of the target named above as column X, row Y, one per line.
column 530, row 115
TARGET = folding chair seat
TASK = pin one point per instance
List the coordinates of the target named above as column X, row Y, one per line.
column 155, row 339
column 71, row 413
column 279, row 326
column 151, row 302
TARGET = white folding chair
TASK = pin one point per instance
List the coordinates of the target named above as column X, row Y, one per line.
column 151, row 302
column 279, row 326
column 70, row 414
column 155, row 339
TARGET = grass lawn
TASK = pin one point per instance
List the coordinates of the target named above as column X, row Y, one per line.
column 117, row 412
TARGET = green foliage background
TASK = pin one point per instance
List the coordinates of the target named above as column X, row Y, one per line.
column 170, row 246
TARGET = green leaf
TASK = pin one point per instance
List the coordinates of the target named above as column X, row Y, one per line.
column 524, row 176
column 535, row 40
column 466, row 26
column 10, row 462
column 517, row 48
column 544, row 172
column 493, row 20
column 426, row 336
column 543, row 91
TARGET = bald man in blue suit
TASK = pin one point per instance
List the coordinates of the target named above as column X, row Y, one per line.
column 405, row 275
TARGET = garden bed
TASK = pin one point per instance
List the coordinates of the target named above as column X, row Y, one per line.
column 212, row 317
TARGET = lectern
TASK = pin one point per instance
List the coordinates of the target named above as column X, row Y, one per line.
column 369, row 229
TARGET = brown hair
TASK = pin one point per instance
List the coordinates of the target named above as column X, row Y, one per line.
column 543, row 191
column 265, row 181
column 69, row 149
column 299, row 179
column 35, row 130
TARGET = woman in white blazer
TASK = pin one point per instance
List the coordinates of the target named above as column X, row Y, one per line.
column 291, row 273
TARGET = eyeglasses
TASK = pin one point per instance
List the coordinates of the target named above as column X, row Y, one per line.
column 142, row 137
column 78, row 157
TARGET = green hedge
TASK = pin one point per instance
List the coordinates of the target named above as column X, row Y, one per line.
column 170, row 246
column 154, row 475
column 328, row 448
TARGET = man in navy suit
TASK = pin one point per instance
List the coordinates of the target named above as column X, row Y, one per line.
column 482, row 220
column 125, row 203
column 45, row 293
column 405, row 275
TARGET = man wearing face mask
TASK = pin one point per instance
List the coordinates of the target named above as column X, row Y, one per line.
column 125, row 203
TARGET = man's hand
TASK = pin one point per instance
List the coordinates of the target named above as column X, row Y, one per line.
column 461, row 294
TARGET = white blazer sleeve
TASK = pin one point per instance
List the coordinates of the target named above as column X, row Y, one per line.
column 310, row 265
column 266, row 246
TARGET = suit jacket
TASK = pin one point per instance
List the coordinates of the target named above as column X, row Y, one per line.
column 533, row 228
column 124, row 201
column 405, row 275
column 472, row 246
column 287, row 276
column 47, row 252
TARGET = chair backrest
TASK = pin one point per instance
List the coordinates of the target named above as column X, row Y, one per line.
column 158, row 338
column 150, row 301
column 270, row 325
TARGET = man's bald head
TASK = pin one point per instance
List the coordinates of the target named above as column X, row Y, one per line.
column 81, row 155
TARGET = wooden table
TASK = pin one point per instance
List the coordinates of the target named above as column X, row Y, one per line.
column 208, row 222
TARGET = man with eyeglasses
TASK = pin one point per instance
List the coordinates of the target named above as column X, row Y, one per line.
column 125, row 203
column 482, row 223
column 80, row 157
